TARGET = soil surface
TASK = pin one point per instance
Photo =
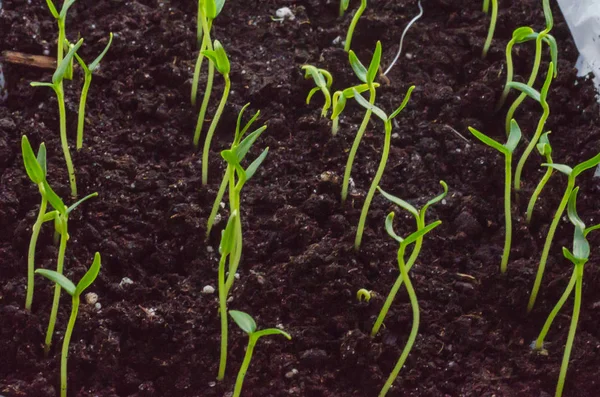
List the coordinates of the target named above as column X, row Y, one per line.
column 159, row 335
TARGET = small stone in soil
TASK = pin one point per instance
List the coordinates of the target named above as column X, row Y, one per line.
column 313, row 356
column 91, row 298
column 208, row 289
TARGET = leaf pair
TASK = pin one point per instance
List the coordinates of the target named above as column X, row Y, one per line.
column 511, row 144
column 63, row 11
column 248, row 325
column 212, row 8
column 389, row 228
column 219, row 57
column 380, row 113
column 323, row 81
column 89, row 69
column 366, row 75
column 61, row 70
column 74, row 290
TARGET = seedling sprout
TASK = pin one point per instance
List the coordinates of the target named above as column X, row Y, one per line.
column 323, row 81
column 545, row 150
column 354, row 22
column 492, row 28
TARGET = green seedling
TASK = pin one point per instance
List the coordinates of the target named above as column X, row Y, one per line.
column 61, row 18
column 384, row 155
column 88, row 71
column 57, row 86
column 522, row 35
column 389, row 227
column 363, row 295
column 420, row 219
column 492, row 28
column 541, row 37
column 226, row 248
column 208, row 10
column 339, row 100
column 60, row 216
column 541, row 98
column 367, row 76
column 507, row 150
column 323, row 81
column 354, row 22
column 244, row 146
column 75, row 291
column 219, row 58
column 579, row 257
column 571, row 173
column 36, row 170
column 248, row 325
column 545, row 150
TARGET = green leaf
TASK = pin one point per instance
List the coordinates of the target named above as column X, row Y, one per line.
column 53, row 198
column 375, row 61
column 344, row 4
column 59, row 74
column 219, row 5
column 271, row 331
column 403, row 104
column 488, row 141
column 219, row 57
column 514, row 136
column 567, row 254
column 399, row 202
column 227, row 238
column 210, row 9
column 89, row 196
column 34, row 170
column 244, row 321
column 90, row 276
column 230, row 157
column 434, row 200
column 364, row 103
column 339, row 104
column 543, row 145
column 420, row 233
column 591, row 229
column 63, row 11
column 389, row 227
column 565, row 169
column 572, row 210
column 358, row 67
column 255, row 164
column 52, row 8
column 594, row 161
column 250, row 122
column 238, row 123
column 519, row 34
column 530, row 91
column 59, row 279
column 317, row 76
column 244, row 146
column 97, row 61
column 311, row 93
column 82, row 64
column 40, row 84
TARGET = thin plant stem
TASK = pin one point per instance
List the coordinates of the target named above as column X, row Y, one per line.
column 239, row 382
column 213, row 127
column 539, row 342
column 538, row 190
column 492, row 28
column 60, row 96
column 415, row 325
column 209, row 85
column 507, row 213
column 57, row 289
column 223, row 314
column 198, row 68
column 355, row 18
column 65, row 347
column 572, row 330
column 374, row 184
column 548, row 243
column 509, row 75
column 199, row 31
column 356, row 144
column 531, row 146
column 81, row 116
column 236, row 255
column 216, row 204
column 35, row 232
column 61, row 39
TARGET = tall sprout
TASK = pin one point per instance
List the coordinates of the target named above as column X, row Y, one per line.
column 354, row 22
column 492, row 28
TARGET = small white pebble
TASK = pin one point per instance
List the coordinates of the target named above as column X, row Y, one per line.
column 285, row 12
column 337, row 40
column 208, row 289
column 291, row 373
column 98, row 306
column 444, row 202
column 210, row 249
column 91, row 298
column 212, row 384
column 236, row 276
column 125, row 281
column 409, row 55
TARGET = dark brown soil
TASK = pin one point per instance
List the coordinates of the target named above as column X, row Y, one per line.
column 159, row 336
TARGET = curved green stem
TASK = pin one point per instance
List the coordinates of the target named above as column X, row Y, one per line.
column 209, row 85
column 223, row 314
column 198, row 68
column 509, row 75
column 572, row 330
column 415, row 325
column 62, row 112
column 61, row 40
column 65, row 347
column 213, row 127
column 531, row 146
column 236, row 255
column 355, row 18
column 215, row 207
column 492, row 28
column 548, row 244
column 538, row 190
column 356, row 144
column 374, row 184
column 239, row 382
column 81, row 116
column 35, row 232
column 507, row 212
column 57, row 289
column 539, row 342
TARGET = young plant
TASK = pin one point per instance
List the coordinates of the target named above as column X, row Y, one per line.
column 36, row 170
column 545, row 150
column 61, row 18
column 571, row 173
column 492, row 28
column 541, row 37
column 244, row 146
column 339, row 100
column 579, row 257
column 75, row 291
column 354, row 22
column 57, row 86
column 420, row 219
column 541, row 98
column 323, row 81
column 218, row 57
column 367, row 76
column 60, row 216
column 389, row 227
column 208, row 10
column 522, row 35
column 226, row 248
column 88, row 71
column 384, row 155
column 507, row 150
column 248, row 325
